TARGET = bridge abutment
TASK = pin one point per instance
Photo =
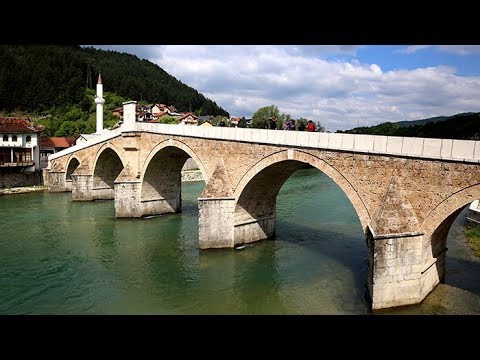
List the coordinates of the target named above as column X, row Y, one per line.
column 82, row 187
column 216, row 222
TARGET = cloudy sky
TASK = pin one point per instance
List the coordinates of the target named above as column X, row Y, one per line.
column 339, row 86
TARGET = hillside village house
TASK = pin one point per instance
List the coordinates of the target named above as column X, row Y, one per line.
column 158, row 110
column 149, row 112
column 234, row 121
column 19, row 144
column 206, row 123
column 188, row 119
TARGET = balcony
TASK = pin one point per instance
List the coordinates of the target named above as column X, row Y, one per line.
column 16, row 164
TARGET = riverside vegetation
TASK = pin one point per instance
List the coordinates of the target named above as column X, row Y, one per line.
column 473, row 237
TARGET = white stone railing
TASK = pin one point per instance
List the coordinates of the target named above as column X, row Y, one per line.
column 445, row 149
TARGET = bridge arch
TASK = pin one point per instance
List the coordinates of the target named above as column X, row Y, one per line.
column 436, row 227
column 161, row 174
column 278, row 167
column 106, row 167
column 453, row 203
column 73, row 164
column 175, row 144
column 438, row 222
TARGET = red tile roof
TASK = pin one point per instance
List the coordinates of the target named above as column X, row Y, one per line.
column 60, row 142
column 17, row 125
column 46, row 143
column 184, row 116
column 56, row 142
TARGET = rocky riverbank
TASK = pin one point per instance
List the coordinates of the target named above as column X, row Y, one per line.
column 21, row 190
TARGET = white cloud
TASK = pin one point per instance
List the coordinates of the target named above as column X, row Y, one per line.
column 460, row 49
column 413, row 49
column 454, row 49
column 338, row 93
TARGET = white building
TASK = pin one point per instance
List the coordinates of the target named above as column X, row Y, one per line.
column 19, row 144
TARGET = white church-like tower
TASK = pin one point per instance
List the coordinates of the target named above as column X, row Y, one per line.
column 99, row 100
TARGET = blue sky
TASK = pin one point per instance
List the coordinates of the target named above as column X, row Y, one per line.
column 466, row 59
column 340, row 86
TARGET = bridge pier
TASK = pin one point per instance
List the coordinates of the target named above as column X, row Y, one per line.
column 127, row 199
column 56, row 182
column 397, row 261
column 82, row 187
column 254, row 230
column 395, row 269
column 216, row 222
column 103, row 193
column 129, row 202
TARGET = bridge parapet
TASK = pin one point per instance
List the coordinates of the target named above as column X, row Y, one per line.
column 445, row 149
column 96, row 139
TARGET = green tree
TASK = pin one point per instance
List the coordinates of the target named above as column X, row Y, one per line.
column 217, row 119
column 37, row 78
column 301, row 124
column 167, row 119
column 261, row 117
column 242, row 123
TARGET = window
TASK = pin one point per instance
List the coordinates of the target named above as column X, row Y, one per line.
column 14, row 137
column 27, row 156
column 29, row 138
column 5, row 137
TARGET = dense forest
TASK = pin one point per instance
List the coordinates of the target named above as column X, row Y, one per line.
column 57, row 82
column 461, row 126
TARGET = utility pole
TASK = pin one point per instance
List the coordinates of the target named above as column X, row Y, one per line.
column 89, row 74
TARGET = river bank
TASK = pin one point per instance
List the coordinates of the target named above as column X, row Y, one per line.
column 22, row 190
column 187, row 176
column 473, row 238
column 191, row 175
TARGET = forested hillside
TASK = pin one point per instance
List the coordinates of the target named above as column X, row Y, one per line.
column 460, row 126
column 40, row 78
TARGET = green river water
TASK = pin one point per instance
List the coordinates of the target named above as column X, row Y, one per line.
column 64, row 257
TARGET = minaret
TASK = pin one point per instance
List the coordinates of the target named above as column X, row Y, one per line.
column 99, row 100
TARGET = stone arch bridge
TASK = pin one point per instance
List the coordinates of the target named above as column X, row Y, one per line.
column 406, row 191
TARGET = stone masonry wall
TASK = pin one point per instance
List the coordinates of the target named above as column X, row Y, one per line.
column 12, row 178
column 426, row 183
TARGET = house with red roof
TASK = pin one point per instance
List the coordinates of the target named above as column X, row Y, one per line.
column 188, row 119
column 51, row 145
column 19, row 144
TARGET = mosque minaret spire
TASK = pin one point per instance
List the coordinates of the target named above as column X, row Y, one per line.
column 99, row 100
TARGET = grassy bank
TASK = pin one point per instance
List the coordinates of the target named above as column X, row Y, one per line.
column 473, row 238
